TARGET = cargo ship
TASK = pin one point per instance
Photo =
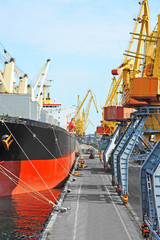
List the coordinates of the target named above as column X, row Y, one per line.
column 35, row 154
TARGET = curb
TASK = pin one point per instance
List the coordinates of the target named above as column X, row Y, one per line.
column 52, row 218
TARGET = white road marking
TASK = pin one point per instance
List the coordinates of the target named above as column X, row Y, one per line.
column 117, row 209
column 76, row 214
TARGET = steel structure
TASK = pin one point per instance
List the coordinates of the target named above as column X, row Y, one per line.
column 121, row 154
column 120, row 145
column 143, row 94
column 128, row 69
column 110, row 146
column 79, row 122
column 150, row 191
column 124, row 154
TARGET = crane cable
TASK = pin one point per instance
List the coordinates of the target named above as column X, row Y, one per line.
column 50, row 151
column 30, row 162
column 11, row 57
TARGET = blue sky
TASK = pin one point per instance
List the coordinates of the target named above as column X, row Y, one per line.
column 84, row 39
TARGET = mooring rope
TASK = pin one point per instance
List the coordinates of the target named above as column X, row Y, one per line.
column 29, row 187
column 30, row 161
column 49, row 151
column 56, row 140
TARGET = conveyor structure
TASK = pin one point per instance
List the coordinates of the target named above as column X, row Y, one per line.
column 143, row 144
column 121, row 143
column 150, row 192
column 125, row 146
column 123, row 157
column 110, row 146
column 141, row 91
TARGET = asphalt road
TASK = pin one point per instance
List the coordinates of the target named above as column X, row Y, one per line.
column 94, row 210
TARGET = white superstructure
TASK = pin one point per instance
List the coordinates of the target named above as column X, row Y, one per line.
column 60, row 114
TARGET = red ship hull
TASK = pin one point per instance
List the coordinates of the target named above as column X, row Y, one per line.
column 39, row 157
column 53, row 172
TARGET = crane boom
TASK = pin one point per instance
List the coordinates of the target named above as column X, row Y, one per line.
column 42, row 85
column 81, row 104
column 15, row 69
column 78, row 122
column 129, row 68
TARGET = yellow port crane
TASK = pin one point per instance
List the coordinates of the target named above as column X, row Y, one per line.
column 79, row 122
column 144, row 21
column 86, row 113
column 114, row 97
column 108, row 127
column 126, row 70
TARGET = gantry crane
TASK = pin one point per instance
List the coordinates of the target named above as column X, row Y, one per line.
column 138, row 55
column 86, row 113
column 141, row 91
column 114, row 98
column 108, row 127
column 142, row 88
column 119, row 155
column 126, row 70
column 78, row 123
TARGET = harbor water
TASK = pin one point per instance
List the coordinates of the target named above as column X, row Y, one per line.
column 23, row 217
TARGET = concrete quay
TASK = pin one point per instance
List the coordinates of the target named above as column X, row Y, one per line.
column 94, row 210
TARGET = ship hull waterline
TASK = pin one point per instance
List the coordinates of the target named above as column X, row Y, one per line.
column 37, row 152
